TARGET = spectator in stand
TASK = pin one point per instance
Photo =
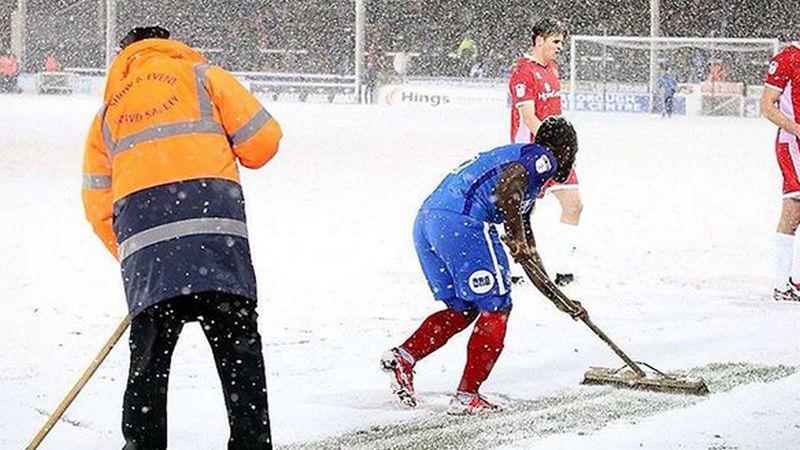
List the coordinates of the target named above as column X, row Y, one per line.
column 467, row 54
column 9, row 69
column 667, row 84
column 719, row 71
column 400, row 63
column 699, row 68
column 51, row 63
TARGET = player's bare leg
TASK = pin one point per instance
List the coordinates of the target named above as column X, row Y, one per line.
column 785, row 270
column 571, row 208
column 571, row 204
column 790, row 216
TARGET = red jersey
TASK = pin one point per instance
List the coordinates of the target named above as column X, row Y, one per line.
column 783, row 75
column 534, row 83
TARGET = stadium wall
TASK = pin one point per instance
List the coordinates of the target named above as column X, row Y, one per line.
column 696, row 99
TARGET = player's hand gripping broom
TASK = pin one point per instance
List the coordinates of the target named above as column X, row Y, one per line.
column 634, row 376
column 76, row 388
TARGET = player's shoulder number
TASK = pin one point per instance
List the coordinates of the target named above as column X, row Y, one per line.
column 543, row 164
column 773, row 67
column 520, row 90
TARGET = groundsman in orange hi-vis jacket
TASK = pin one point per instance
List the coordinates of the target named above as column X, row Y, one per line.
column 161, row 189
column 160, row 176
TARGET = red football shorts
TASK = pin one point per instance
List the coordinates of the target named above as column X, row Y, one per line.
column 788, row 155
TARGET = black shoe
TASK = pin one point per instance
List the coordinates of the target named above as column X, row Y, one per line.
column 563, row 279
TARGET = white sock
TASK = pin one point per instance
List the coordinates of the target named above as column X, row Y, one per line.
column 784, row 249
column 795, row 266
column 566, row 238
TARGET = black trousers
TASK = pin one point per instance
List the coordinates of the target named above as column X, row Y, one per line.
column 230, row 325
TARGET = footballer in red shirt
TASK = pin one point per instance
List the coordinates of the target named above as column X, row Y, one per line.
column 535, row 95
column 780, row 104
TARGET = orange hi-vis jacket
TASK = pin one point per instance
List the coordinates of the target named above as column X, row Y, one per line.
column 160, row 176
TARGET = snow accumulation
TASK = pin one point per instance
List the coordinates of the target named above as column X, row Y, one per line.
column 675, row 265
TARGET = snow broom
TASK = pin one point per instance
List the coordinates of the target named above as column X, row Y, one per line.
column 78, row 386
column 631, row 375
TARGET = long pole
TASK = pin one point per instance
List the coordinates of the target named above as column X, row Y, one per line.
column 22, row 18
column 563, row 302
column 655, row 31
column 111, row 31
column 76, row 388
column 603, row 65
column 359, row 46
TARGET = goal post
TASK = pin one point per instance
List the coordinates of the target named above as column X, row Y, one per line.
column 717, row 76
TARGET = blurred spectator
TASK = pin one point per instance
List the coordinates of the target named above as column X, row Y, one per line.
column 51, row 63
column 719, row 71
column 400, row 63
column 467, row 55
column 468, row 48
column 698, row 69
column 9, row 69
column 667, row 84
column 477, row 70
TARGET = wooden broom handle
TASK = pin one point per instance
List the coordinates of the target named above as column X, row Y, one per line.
column 562, row 301
column 76, row 389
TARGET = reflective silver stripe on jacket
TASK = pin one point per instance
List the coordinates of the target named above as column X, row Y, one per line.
column 107, row 138
column 203, row 99
column 183, row 228
column 206, row 124
column 96, row 181
column 252, row 127
column 165, row 131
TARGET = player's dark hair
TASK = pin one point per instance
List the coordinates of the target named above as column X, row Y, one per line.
column 558, row 135
column 140, row 33
column 547, row 27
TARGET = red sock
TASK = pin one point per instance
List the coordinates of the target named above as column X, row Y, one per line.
column 435, row 331
column 483, row 349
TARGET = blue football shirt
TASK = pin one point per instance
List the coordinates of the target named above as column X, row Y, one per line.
column 470, row 189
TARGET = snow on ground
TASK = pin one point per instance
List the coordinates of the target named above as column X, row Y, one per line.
column 675, row 266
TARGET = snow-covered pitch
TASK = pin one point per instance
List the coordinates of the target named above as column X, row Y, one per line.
column 675, row 258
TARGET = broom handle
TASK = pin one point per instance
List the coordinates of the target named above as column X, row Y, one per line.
column 613, row 346
column 562, row 301
column 76, row 389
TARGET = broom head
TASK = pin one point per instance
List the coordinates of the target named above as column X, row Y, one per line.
column 656, row 381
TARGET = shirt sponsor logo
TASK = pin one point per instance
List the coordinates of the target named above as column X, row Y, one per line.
column 543, row 164
column 481, row 282
column 773, row 67
column 520, row 90
column 548, row 95
column 404, row 97
column 431, row 99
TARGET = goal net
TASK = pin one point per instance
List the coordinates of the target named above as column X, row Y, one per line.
column 715, row 76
